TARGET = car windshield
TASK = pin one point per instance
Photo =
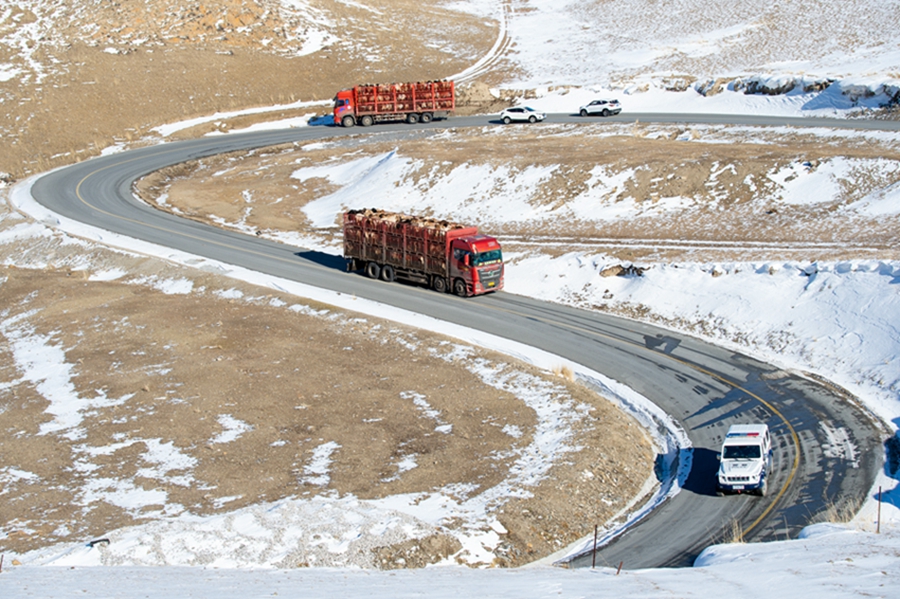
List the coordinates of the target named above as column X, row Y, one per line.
column 742, row 452
column 489, row 257
column 530, row 109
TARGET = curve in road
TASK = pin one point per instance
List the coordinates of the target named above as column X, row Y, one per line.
column 703, row 387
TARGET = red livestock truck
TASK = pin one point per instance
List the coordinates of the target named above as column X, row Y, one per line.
column 441, row 254
column 411, row 102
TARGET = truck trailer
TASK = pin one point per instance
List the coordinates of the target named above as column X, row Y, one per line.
column 421, row 101
column 444, row 255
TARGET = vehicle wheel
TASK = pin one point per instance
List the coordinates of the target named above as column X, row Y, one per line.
column 763, row 488
column 584, row 112
column 412, row 118
column 348, row 121
column 439, row 284
column 720, row 493
column 373, row 271
column 605, row 112
column 460, row 288
column 387, row 273
column 425, row 118
column 532, row 119
column 506, row 120
column 366, row 121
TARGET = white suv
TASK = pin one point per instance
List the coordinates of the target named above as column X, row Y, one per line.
column 745, row 461
column 522, row 114
column 602, row 107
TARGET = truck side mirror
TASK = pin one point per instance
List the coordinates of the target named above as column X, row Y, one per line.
column 719, row 457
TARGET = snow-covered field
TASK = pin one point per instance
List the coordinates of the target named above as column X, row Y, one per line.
column 828, row 562
column 838, row 320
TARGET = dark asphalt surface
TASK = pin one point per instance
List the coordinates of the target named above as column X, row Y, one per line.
column 703, row 387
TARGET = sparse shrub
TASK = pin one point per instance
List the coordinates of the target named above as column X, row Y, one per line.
column 735, row 533
column 564, row 372
column 638, row 130
column 842, row 513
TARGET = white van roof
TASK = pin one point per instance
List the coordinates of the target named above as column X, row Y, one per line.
column 747, row 430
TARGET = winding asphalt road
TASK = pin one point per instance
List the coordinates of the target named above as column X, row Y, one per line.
column 703, row 387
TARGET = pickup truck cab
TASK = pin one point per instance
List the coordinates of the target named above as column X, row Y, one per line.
column 745, row 461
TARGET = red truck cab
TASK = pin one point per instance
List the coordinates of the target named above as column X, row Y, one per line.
column 477, row 260
column 343, row 107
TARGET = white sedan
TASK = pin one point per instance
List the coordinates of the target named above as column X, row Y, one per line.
column 522, row 114
column 602, row 107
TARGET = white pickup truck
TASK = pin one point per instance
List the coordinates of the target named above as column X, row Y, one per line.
column 745, row 461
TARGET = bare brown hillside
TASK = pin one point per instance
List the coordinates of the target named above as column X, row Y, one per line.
column 692, row 194
column 169, row 373
column 199, row 394
column 88, row 74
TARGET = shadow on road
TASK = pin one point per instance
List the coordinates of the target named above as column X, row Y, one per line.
column 325, row 120
column 891, row 469
column 704, row 466
column 665, row 344
column 323, row 259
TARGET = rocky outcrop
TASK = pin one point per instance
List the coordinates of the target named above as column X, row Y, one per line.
column 760, row 84
column 621, row 270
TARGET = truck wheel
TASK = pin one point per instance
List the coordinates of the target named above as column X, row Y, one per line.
column 439, row 284
column 367, row 121
column 348, row 121
column 425, row 118
column 412, row 118
column 763, row 488
column 388, row 274
column 460, row 288
column 373, row 270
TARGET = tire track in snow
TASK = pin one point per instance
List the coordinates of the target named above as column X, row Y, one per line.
column 495, row 54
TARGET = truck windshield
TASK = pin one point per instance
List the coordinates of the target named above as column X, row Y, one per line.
column 742, row 452
column 490, row 257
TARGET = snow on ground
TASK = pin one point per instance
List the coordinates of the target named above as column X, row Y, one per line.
column 494, row 196
column 30, row 29
column 626, row 48
column 821, row 321
column 836, row 319
column 170, row 128
column 277, row 534
column 827, row 562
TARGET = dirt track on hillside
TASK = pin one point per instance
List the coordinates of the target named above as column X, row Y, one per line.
column 112, row 73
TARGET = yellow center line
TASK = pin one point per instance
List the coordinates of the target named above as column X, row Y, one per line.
column 81, row 198
column 794, row 438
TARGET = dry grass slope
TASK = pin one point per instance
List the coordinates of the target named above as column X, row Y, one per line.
column 88, row 74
